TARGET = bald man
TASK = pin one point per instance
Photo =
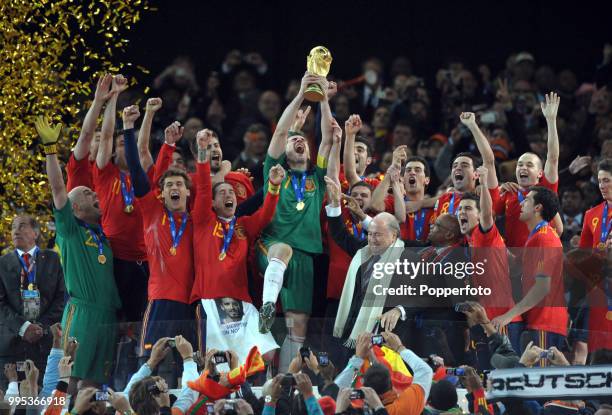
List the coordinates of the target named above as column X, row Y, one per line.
column 90, row 315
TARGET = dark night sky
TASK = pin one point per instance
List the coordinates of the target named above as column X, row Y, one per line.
column 563, row 35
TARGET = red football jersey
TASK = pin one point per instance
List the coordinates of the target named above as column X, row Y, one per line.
column 170, row 276
column 123, row 230
column 78, row 173
column 227, row 277
column 489, row 249
column 509, row 205
column 543, row 255
column 416, row 226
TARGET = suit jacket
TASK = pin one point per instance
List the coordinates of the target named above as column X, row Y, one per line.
column 50, row 283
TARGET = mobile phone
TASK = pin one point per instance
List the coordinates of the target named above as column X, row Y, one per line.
column 356, row 394
column 210, row 407
column 72, row 340
column 21, row 366
column 153, row 389
column 305, row 352
column 323, row 359
column 219, row 358
column 377, row 340
column 547, row 354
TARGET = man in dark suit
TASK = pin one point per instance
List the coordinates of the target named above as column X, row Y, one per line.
column 31, row 296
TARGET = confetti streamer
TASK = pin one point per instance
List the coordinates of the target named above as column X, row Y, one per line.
column 51, row 55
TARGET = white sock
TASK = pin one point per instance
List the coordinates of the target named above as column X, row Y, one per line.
column 289, row 349
column 273, row 280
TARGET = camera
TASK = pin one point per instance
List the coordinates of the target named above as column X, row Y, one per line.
column 323, row 359
column 455, row 371
column 210, row 407
column 229, row 405
column 489, row 117
column 431, row 361
column 462, row 307
column 172, row 343
column 72, row 340
column 377, row 340
column 356, row 394
column 219, row 357
column 101, row 396
column 289, row 380
column 305, row 352
column 547, row 354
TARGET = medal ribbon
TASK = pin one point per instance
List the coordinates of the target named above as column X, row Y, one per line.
column 451, row 206
column 358, row 235
column 537, row 228
column 605, row 225
column 176, row 236
column 608, row 294
column 126, row 191
column 227, row 235
column 520, row 196
column 31, row 270
column 299, row 189
column 419, row 224
column 97, row 239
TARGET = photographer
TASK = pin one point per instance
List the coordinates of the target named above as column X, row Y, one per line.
column 322, row 368
column 412, row 399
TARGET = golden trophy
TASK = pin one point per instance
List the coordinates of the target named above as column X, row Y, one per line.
column 318, row 62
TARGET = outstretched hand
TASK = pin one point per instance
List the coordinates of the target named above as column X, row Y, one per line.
column 48, row 134
column 550, row 106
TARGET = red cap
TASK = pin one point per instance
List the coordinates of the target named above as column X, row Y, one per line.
column 242, row 185
column 328, row 405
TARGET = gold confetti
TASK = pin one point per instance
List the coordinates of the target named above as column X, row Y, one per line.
column 50, row 60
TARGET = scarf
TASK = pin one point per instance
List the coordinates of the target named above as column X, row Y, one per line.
column 367, row 317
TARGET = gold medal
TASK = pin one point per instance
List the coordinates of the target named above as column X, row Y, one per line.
column 601, row 246
column 173, row 250
column 300, row 206
column 222, row 255
column 609, row 315
column 30, row 286
column 128, row 208
column 102, row 259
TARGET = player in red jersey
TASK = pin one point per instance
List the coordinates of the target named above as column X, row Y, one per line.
column 596, row 231
column 357, row 156
column 529, row 172
column 415, row 225
column 240, row 182
column 487, row 247
column 78, row 168
column 543, row 305
column 222, row 244
column 121, row 218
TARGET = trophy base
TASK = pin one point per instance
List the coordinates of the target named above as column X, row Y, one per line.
column 314, row 93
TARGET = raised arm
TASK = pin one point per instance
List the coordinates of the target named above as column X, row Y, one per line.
column 351, row 128
column 105, row 150
column 203, row 202
column 326, row 122
column 279, row 138
column 549, row 110
column 486, row 202
column 144, row 135
column 399, row 207
column 380, row 193
column 102, row 94
column 49, row 136
column 484, row 148
column 140, row 181
column 333, row 166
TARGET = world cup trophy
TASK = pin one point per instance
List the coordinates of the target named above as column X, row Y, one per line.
column 318, row 62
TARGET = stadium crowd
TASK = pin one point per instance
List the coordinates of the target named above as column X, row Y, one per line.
column 234, row 236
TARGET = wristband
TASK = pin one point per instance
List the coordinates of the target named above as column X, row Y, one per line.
column 273, row 189
column 188, row 358
column 321, row 161
column 50, row 149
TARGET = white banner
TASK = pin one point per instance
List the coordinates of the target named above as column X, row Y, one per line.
column 560, row 382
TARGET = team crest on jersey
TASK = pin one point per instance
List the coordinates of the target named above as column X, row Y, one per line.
column 310, row 185
column 240, row 232
column 240, row 190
